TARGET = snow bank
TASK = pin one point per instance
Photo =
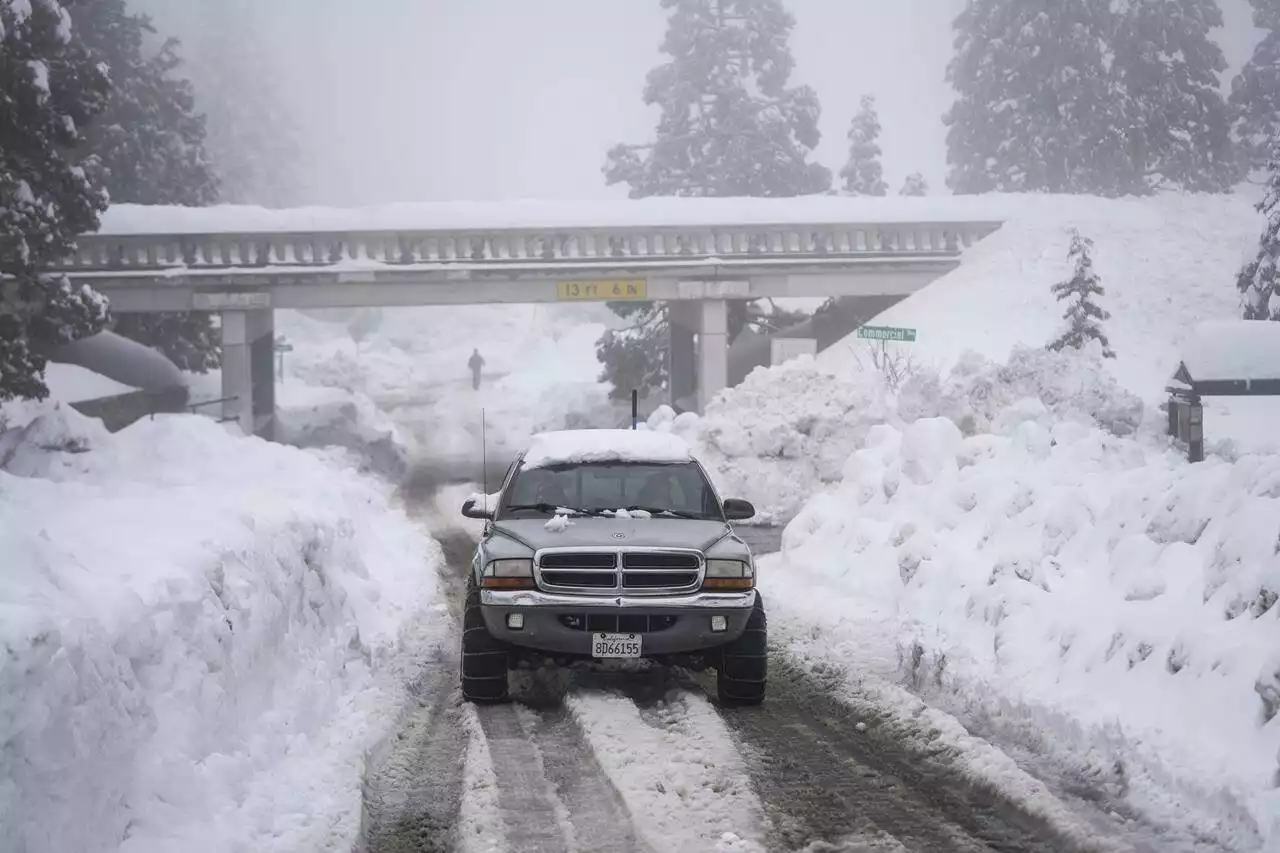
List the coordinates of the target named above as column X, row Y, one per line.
column 200, row 636
column 540, row 374
column 1092, row 593
column 786, row 432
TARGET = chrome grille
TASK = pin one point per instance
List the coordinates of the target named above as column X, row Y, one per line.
column 586, row 571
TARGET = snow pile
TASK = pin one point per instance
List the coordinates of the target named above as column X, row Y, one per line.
column 203, row 636
column 1091, row 593
column 786, row 432
column 782, row 433
column 1068, row 386
column 540, row 374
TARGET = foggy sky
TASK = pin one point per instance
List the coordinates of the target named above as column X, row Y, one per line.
column 424, row 100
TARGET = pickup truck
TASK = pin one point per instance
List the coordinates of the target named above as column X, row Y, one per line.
column 606, row 546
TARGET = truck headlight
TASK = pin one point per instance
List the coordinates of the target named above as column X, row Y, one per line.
column 508, row 574
column 729, row 574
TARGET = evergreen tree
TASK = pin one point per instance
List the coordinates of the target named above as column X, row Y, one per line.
column 1168, row 65
column 1037, row 110
column 1084, row 317
column 49, row 91
column 730, row 126
column 251, row 142
column 150, row 143
column 1259, row 280
column 1255, row 93
column 915, row 185
column 863, row 174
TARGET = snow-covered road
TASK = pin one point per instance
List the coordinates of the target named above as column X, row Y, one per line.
column 648, row 762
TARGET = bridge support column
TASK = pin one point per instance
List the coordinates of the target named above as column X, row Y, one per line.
column 683, row 323
column 713, row 350
column 248, row 370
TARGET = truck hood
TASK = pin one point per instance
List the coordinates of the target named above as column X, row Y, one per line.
column 603, row 533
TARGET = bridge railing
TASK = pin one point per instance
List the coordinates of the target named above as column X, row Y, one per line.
column 566, row 247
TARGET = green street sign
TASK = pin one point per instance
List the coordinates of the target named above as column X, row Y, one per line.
column 886, row 333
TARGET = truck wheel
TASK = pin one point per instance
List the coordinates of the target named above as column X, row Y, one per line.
column 744, row 663
column 484, row 658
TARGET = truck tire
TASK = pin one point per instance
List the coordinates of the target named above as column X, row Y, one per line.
column 744, row 664
column 484, row 658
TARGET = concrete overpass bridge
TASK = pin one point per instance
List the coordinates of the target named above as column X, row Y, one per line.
column 695, row 254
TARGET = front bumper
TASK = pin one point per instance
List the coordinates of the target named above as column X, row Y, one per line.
column 682, row 623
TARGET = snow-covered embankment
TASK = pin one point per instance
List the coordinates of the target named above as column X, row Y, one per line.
column 203, row 635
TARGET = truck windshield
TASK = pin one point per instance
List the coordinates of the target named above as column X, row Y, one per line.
column 681, row 489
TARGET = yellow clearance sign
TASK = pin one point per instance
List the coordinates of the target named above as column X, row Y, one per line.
column 613, row 290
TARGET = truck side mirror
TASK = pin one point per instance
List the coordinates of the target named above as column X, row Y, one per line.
column 470, row 510
column 738, row 510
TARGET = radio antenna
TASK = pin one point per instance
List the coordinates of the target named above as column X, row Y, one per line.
column 484, row 460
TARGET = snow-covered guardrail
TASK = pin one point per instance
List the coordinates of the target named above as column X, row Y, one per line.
column 726, row 244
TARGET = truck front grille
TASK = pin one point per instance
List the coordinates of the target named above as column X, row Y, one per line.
column 639, row 572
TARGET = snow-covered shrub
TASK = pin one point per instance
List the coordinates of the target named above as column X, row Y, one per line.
column 1071, row 385
column 194, row 626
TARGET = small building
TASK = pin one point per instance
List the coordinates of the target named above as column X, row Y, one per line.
column 1222, row 358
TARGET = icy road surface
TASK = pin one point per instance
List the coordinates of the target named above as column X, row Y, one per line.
column 647, row 763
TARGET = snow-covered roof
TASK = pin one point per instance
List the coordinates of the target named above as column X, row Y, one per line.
column 123, row 219
column 1233, row 349
column 567, row 447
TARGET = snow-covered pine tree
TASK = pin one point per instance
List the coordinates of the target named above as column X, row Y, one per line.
column 730, row 125
column 150, row 143
column 1255, row 93
column 1259, row 281
column 1036, row 109
column 863, row 174
column 914, row 185
column 49, row 91
column 1168, row 65
column 1084, row 317
column 252, row 141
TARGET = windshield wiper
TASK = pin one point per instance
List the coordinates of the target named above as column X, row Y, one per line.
column 550, row 509
column 653, row 510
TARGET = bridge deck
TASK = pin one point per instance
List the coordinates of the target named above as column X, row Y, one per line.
column 162, row 258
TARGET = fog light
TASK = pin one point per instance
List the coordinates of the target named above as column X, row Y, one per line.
column 719, row 624
column 515, row 621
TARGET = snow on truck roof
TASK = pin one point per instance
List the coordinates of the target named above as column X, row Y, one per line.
column 1223, row 350
column 567, row 447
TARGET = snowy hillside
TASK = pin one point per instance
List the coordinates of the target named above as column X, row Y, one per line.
column 1167, row 263
column 205, row 634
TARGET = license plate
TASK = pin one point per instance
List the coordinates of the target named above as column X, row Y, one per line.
column 605, row 646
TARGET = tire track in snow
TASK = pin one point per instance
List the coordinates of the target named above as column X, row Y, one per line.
column 676, row 768
column 598, row 816
column 825, row 781
column 535, row 817
column 414, row 782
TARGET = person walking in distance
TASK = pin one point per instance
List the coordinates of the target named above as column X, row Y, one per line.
column 476, row 363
